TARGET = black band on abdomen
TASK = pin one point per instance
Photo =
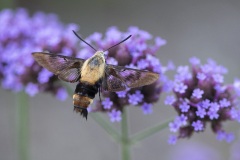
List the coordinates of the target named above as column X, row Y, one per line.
column 85, row 89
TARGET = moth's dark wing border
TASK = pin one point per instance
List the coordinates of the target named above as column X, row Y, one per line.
column 117, row 78
column 67, row 68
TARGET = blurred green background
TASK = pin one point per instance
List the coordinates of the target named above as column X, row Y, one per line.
column 205, row 29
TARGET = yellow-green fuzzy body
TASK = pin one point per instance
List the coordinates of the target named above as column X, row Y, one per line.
column 93, row 68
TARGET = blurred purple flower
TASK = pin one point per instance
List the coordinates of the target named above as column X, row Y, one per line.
column 169, row 100
column 182, row 119
column 234, row 150
column 142, row 64
column 192, row 150
column 172, row 139
column 197, row 93
column 122, row 94
column 20, row 35
column 198, row 125
column 201, row 76
column 201, row 112
column 174, row 126
column 135, row 98
column 224, row 103
column 107, row 103
column 147, row 108
column 194, row 61
column 115, row 116
column 31, row 89
column 184, row 107
column 180, row 87
column 205, row 99
column 44, row 75
column 112, row 61
column 61, row 94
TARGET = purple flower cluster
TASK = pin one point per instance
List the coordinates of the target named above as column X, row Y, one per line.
column 20, row 35
column 199, row 94
column 200, row 97
column 133, row 53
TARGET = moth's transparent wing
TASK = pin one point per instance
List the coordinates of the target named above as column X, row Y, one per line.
column 66, row 68
column 117, row 78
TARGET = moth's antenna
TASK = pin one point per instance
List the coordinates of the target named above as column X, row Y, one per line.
column 118, row 43
column 83, row 40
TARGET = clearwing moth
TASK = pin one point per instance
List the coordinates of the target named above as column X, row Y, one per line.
column 93, row 73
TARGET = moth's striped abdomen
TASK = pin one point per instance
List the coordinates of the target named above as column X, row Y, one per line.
column 83, row 97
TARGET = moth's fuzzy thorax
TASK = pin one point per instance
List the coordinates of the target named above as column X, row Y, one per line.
column 97, row 59
column 93, row 68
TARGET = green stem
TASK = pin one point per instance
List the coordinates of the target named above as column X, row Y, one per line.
column 98, row 119
column 148, row 132
column 23, row 125
column 125, row 139
column 106, row 126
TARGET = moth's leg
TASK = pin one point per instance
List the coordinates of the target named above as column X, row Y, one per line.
column 100, row 89
column 99, row 94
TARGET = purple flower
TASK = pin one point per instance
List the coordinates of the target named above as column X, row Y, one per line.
column 170, row 65
column 31, row 89
column 194, row 150
column 205, row 100
column 201, row 112
column 184, row 107
column 182, row 119
column 135, row 98
column 234, row 150
column 194, row 61
column 122, row 94
column 107, row 103
column 222, row 135
column 197, row 93
column 229, row 137
column 152, row 60
column 213, row 114
column 180, row 87
column 21, row 35
column 44, row 75
column 214, row 107
column 172, row 139
column 169, row 100
column 201, row 76
column 115, row 116
column 160, row 42
column 236, row 85
column 167, row 84
column 174, row 126
column 182, row 73
column 218, row 78
column 112, row 61
column 62, row 94
column 235, row 114
column 198, row 125
column 205, row 103
column 224, row 103
column 142, row 64
column 147, row 108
